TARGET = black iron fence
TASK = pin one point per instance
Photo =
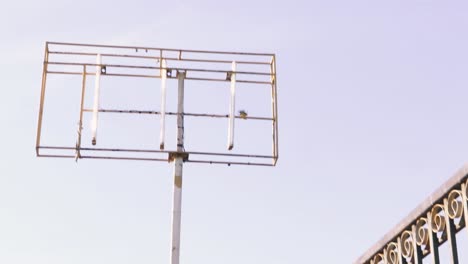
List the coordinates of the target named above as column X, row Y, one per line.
column 420, row 235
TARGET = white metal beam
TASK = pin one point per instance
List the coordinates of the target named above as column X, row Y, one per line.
column 163, row 104
column 97, row 83
column 232, row 108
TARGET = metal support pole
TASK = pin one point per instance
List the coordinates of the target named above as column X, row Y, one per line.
column 80, row 122
column 41, row 104
column 178, row 165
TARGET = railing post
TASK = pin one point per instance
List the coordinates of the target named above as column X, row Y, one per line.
column 400, row 254
column 464, row 188
column 417, row 250
column 433, row 240
column 451, row 233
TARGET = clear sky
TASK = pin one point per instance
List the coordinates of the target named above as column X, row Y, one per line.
column 372, row 115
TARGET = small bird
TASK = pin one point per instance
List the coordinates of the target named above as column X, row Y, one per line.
column 243, row 114
column 228, row 76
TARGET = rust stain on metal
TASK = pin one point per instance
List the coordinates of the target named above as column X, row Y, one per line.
column 178, row 181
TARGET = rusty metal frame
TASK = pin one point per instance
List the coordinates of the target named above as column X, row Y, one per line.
column 57, row 53
column 434, row 222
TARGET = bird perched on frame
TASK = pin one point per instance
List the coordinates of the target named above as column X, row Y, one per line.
column 243, row 114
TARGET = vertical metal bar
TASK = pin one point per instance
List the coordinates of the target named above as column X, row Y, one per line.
column 274, row 105
column 417, row 252
column 451, row 234
column 464, row 189
column 401, row 259
column 80, row 122
column 97, row 83
column 232, row 108
column 433, row 240
column 41, row 103
column 162, row 133
column 178, row 165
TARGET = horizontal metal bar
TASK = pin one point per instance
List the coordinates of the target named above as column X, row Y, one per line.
column 223, row 80
column 122, row 158
column 154, row 76
column 108, row 74
column 151, row 159
column 154, row 57
column 226, row 116
column 129, row 111
column 188, row 152
column 235, row 155
column 158, row 49
column 107, row 65
column 231, row 163
column 57, row 147
column 217, row 61
column 175, row 114
column 104, row 149
column 220, row 71
column 55, row 156
column 158, row 151
column 154, row 68
column 103, row 54
column 67, row 72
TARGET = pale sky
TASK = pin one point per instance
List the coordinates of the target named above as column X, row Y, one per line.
column 372, row 119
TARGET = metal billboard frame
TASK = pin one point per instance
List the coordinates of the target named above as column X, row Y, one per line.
column 210, row 72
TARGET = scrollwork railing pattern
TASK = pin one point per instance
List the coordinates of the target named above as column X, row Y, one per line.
column 437, row 224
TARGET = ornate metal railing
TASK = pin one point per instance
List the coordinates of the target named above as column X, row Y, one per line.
column 434, row 222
